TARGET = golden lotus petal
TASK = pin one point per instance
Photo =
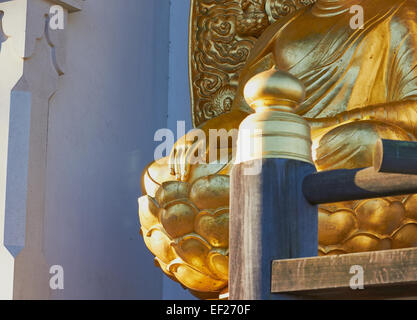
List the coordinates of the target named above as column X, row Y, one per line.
column 193, row 250
column 210, row 192
column 214, row 227
column 321, row 252
column 405, row 237
column 149, row 186
column 205, row 295
column 380, row 216
column 219, row 264
column 331, row 252
column 164, row 267
column 148, row 212
column 155, row 174
column 198, row 171
column 159, row 244
column 178, row 218
column 194, row 279
column 335, row 206
column 335, row 227
column 366, row 242
column 172, row 191
column 411, row 207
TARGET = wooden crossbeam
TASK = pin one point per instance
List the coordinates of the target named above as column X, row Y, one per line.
column 395, row 156
column 386, row 274
column 394, row 172
column 356, row 184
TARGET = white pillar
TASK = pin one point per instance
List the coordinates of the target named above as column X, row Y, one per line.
column 78, row 111
column 32, row 58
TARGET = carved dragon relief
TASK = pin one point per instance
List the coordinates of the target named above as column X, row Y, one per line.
column 222, row 34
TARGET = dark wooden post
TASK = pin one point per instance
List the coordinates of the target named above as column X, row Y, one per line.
column 270, row 217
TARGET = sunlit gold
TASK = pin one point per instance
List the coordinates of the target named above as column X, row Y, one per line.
column 360, row 86
column 274, row 131
column 186, row 225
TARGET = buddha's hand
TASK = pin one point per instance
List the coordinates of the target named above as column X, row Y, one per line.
column 186, row 151
column 351, row 145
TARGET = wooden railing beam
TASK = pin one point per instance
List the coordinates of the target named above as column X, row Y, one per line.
column 396, row 156
column 385, row 274
column 356, row 184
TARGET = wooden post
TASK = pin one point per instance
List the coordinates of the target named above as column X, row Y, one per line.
column 270, row 218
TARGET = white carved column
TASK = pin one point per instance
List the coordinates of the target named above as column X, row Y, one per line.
column 32, row 59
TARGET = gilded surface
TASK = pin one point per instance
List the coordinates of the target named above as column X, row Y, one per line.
column 186, row 226
column 222, row 34
column 361, row 85
column 274, row 128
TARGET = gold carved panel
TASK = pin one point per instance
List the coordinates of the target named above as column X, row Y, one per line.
column 222, row 34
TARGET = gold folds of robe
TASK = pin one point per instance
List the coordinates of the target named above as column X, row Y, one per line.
column 361, row 85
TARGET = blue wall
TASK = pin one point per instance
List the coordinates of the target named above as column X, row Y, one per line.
column 102, row 120
column 179, row 106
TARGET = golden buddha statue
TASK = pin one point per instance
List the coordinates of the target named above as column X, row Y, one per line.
column 361, row 85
